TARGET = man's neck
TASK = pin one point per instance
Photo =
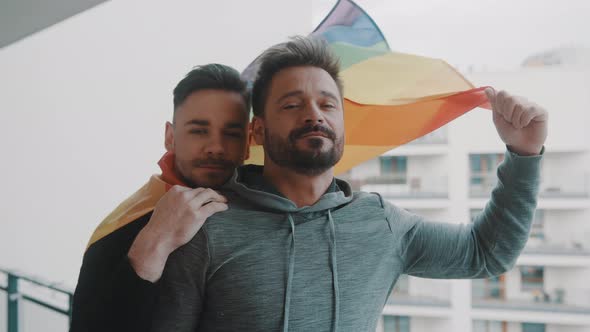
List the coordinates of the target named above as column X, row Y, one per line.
column 303, row 190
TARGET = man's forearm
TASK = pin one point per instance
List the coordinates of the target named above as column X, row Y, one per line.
column 506, row 220
column 148, row 255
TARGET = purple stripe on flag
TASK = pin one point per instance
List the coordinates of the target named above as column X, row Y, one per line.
column 345, row 13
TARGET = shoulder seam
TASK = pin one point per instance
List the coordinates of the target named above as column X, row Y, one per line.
column 209, row 259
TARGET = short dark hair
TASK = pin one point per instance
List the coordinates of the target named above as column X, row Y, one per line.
column 211, row 76
column 299, row 51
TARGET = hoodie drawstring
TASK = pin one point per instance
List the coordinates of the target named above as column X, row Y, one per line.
column 289, row 277
column 334, row 272
column 334, row 266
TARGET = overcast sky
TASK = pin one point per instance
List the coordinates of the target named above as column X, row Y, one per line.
column 497, row 34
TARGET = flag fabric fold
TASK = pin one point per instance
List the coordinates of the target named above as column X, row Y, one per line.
column 141, row 202
column 390, row 98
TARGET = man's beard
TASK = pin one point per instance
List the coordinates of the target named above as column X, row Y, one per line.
column 193, row 182
column 284, row 152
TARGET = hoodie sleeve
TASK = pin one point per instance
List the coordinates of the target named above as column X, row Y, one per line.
column 182, row 287
column 109, row 295
column 487, row 247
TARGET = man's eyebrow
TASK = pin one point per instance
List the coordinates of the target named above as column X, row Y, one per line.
column 197, row 122
column 290, row 94
column 329, row 94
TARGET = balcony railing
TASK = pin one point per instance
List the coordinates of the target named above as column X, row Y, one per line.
column 548, row 246
column 19, row 288
column 569, row 185
column 402, row 186
column 439, row 136
column 438, row 295
column 497, row 296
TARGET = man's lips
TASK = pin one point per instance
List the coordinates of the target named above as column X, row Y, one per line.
column 213, row 164
column 315, row 133
column 213, row 167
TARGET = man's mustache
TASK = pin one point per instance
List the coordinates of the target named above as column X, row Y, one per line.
column 213, row 162
column 299, row 132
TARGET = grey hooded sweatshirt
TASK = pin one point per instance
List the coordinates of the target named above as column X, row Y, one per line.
column 267, row 265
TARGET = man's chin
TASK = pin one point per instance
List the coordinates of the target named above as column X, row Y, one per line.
column 313, row 153
column 207, row 178
column 314, row 142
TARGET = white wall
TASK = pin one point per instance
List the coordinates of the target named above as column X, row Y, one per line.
column 421, row 324
column 568, row 172
column 430, row 288
column 430, row 171
column 566, row 219
column 367, row 169
column 563, row 227
column 563, row 90
column 573, row 280
column 564, row 328
column 83, row 106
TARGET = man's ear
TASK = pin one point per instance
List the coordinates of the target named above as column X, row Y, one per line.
column 169, row 137
column 247, row 152
column 258, row 129
column 248, row 142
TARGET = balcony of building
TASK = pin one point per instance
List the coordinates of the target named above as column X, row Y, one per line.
column 531, row 295
column 402, row 186
column 439, row 136
column 561, row 186
column 30, row 304
column 420, row 298
column 564, row 186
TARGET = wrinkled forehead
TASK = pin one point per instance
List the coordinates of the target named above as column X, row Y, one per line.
column 213, row 108
column 307, row 79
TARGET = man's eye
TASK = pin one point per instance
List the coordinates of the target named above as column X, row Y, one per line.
column 198, row 131
column 329, row 106
column 290, row 106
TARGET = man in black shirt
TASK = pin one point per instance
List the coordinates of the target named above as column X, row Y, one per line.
column 126, row 255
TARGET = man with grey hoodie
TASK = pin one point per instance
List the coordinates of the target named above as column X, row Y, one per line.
column 297, row 250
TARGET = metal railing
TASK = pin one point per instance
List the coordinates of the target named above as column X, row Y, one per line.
column 19, row 288
column 493, row 295
column 402, row 186
column 570, row 185
column 437, row 293
column 548, row 246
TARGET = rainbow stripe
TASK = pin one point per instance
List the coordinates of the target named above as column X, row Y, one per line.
column 390, row 98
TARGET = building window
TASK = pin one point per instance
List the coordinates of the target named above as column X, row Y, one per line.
column 396, row 324
column 483, row 167
column 531, row 278
column 537, row 227
column 533, row 327
column 489, row 326
column 402, row 286
column 492, row 288
column 485, row 162
column 395, row 167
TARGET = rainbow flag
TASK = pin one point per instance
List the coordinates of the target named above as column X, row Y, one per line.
column 390, row 98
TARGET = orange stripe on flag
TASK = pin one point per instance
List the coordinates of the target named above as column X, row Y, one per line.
column 399, row 124
column 372, row 130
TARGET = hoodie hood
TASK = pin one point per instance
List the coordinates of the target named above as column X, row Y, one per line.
column 248, row 182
